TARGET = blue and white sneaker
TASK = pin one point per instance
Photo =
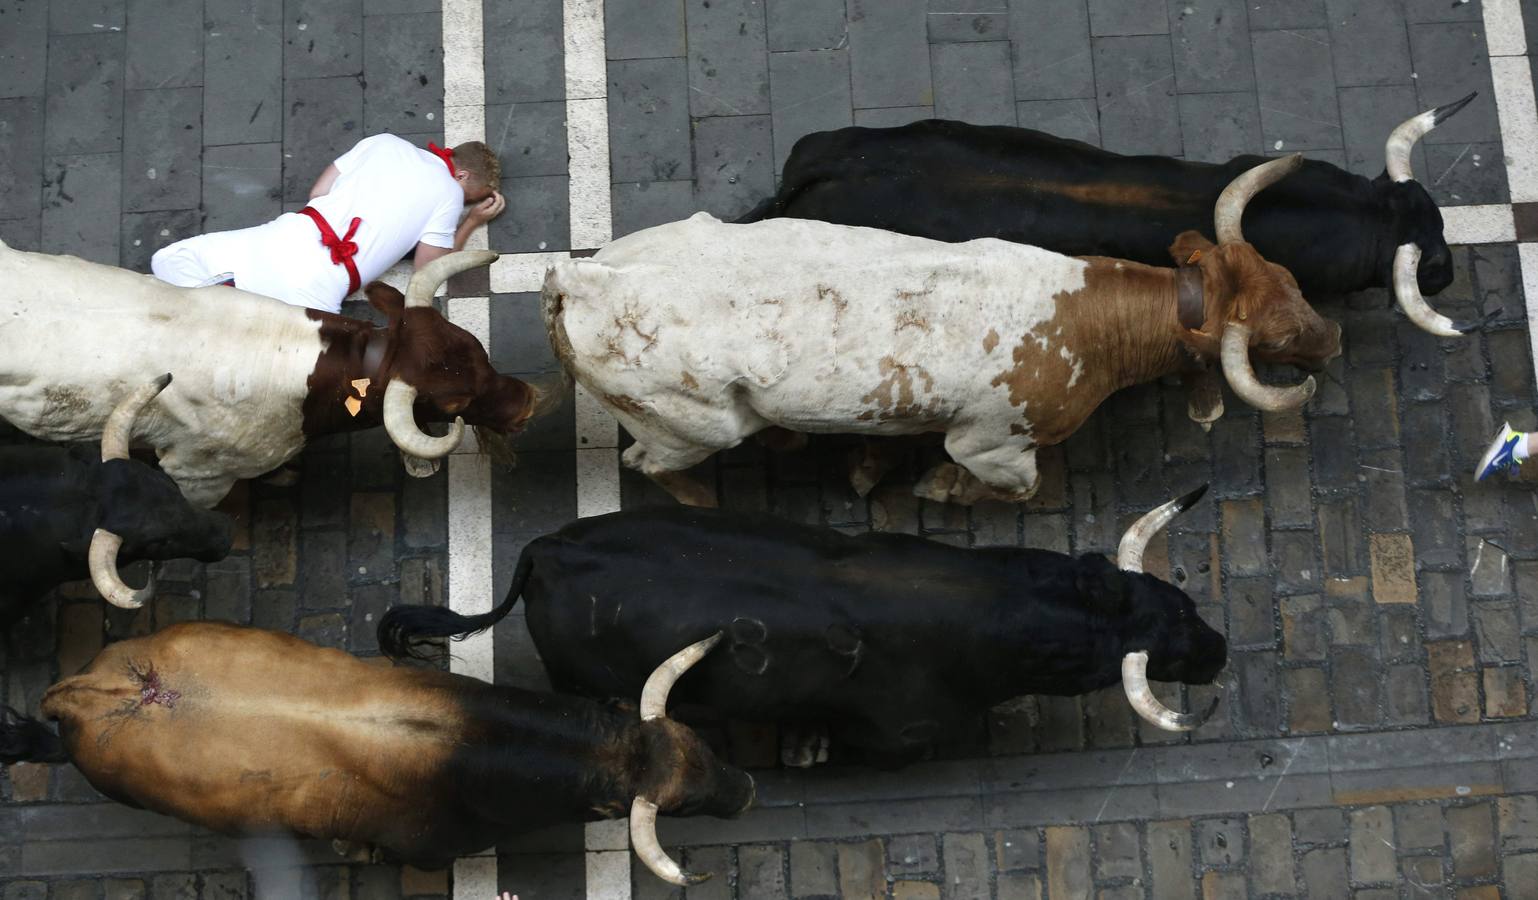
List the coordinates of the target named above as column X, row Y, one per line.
column 1499, row 457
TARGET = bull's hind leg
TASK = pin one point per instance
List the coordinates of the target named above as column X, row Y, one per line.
column 666, row 465
column 985, row 468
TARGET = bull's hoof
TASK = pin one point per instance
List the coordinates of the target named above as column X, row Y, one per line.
column 802, row 748
column 686, row 490
column 950, row 483
column 417, row 467
column 942, row 484
column 356, row 852
column 863, row 472
column 284, row 476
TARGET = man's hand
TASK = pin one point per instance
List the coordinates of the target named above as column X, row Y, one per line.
column 488, row 209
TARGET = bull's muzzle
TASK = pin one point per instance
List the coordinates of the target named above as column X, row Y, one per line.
column 1134, row 666
column 400, row 419
column 116, row 439
column 1407, row 292
column 1227, row 217
column 643, row 812
column 1241, row 375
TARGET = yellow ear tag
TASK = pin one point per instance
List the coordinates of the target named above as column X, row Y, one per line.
column 353, row 405
column 1195, row 255
column 361, row 386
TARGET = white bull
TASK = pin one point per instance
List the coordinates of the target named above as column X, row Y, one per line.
column 255, row 378
column 696, row 334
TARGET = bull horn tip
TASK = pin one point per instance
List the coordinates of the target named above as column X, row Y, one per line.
column 163, row 381
column 1473, row 325
column 1448, row 110
column 1208, row 713
column 1190, row 499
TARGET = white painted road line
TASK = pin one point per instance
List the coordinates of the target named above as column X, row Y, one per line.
column 592, row 225
column 1503, row 28
column 1519, row 124
column 517, row 273
column 469, row 578
column 1490, row 224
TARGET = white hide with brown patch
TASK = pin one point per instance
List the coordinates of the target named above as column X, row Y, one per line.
column 76, row 337
column 698, row 333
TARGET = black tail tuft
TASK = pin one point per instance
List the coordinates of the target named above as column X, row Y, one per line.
column 24, row 739
column 762, row 211
column 410, row 632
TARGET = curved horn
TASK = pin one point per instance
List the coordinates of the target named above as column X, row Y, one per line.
column 1134, row 680
column 643, row 812
column 1229, row 211
column 118, row 430
column 654, row 696
column 102, row 559
column 401, row 422
column 1407, row 291
column 424, row 281
column 1396, row 153
column 1241, row 375
column 1129, row 554
column 643, row 837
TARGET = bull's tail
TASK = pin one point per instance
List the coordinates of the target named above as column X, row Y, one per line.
column 765, row 210
column 24, row 739
column 412, row 631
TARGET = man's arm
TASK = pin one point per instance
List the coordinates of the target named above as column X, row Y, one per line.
column 479, row 215
column 323, row 184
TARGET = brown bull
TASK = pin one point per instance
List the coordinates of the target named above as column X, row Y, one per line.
column 251, row 732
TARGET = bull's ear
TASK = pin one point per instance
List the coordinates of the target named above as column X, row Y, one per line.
column 1103, row 588
column 1189, row 248
column 386, row 299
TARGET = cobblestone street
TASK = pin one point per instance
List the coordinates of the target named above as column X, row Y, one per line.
column 1377, row 735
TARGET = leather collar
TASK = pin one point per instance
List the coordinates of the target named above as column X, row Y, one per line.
column 1190, row 300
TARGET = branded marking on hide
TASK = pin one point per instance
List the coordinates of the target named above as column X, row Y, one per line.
column 894, row 395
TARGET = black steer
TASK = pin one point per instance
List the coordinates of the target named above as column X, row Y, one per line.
column 65, row 513
column 891, row 641
column 1334, row 231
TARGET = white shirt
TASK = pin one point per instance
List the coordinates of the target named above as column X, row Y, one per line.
column 404, row 195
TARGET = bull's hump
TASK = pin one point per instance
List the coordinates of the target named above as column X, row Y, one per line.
column 806, row 278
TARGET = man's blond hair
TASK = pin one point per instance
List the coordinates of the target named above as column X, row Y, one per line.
column 477, row 159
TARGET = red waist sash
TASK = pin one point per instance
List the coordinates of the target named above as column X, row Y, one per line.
column 342, row 248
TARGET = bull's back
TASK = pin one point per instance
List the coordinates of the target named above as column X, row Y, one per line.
column 820, row 327
column 952, row 181
column 246, row 731
column 77, row 336
column 815, row 623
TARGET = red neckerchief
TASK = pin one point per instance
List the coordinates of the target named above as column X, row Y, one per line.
column 444, row 153
column 342, row 249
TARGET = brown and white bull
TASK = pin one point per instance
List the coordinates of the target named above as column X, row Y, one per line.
column 256, row 378
column 697, row 334
column 250, row 732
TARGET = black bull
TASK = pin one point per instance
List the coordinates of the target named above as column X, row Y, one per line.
column 1334, row 231
column 891, row 641
column 53, row 499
